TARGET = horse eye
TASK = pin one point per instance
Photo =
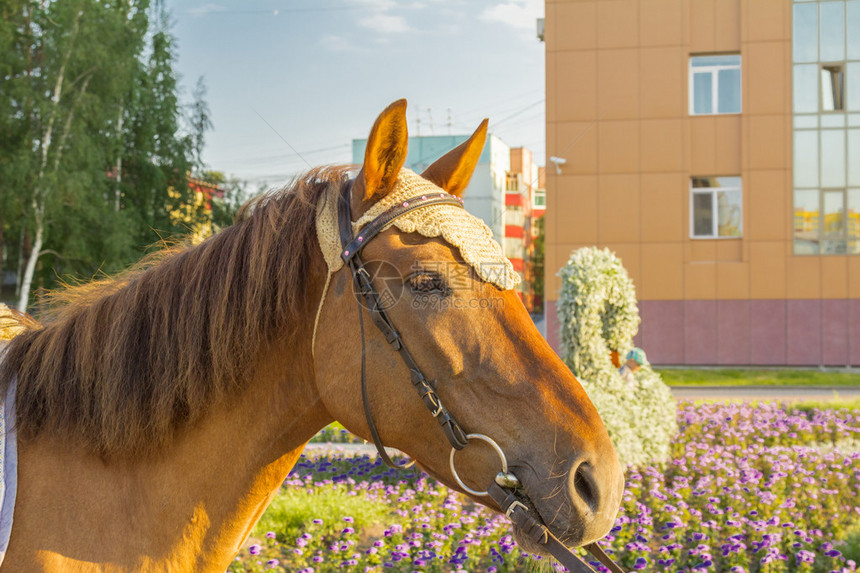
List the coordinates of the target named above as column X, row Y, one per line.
column 428, row 283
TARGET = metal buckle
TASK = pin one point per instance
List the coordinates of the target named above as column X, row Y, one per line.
column 437, row 402
column 513, row 506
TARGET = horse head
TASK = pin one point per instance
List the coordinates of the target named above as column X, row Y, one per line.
column 466, row 329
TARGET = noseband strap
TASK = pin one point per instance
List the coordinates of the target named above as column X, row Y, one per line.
column 510, row 500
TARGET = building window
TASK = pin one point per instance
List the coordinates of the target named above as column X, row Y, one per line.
column 514, row 247
column 514, row 216
column 716, row 207
column 826, row 102
column 513, row 181
column 832, row 88
column 715, row 84
column 826, row 96
column 539, row 201
column 826, row 221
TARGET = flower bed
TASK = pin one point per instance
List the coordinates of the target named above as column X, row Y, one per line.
column 335, row 433
column 747, row 489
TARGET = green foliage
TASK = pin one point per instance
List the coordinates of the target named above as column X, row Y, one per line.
column 293, row 510
column 224, row 208
column 840, row 406
column 539, row 257
column 94, row 135
column 756, row 377
column 851, row 538
column 157, row 155
column 200, row 121
column 335, row 433
column 598, row 313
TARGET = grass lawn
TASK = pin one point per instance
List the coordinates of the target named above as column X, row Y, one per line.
column 752, row 377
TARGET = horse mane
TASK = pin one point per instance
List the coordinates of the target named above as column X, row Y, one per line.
column 123, row 363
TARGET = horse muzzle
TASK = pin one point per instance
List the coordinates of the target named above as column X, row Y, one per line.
column 594, row 495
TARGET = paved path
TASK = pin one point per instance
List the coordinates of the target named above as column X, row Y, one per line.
column 326, row 448
column 781, row 393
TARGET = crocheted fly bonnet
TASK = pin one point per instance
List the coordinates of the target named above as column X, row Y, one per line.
column 459, row 228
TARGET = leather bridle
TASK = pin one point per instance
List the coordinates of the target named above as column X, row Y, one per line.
column 506, row 489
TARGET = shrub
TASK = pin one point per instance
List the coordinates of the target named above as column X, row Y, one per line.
column 598, row 313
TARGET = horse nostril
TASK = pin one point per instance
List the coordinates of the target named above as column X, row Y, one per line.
column 584, row 485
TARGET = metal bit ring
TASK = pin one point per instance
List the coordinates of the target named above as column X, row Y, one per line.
column 494, row 445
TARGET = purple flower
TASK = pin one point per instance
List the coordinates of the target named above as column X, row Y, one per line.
column 254, row 550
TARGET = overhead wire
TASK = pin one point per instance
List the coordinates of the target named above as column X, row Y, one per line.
column 519, row 112
column 289, row 156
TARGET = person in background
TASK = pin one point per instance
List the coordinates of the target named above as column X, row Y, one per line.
column 635, row 360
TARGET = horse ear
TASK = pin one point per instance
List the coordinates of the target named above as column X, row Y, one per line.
column 386, row 151
column 453, row 170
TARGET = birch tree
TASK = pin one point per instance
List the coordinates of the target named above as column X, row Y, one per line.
column 92, row 135
column 41, row 189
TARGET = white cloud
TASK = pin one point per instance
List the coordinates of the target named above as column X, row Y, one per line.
column 337, row 44
column 206, row 9
column 519, row 14
column 385, row 23
column 376, row 5
column 380, row 16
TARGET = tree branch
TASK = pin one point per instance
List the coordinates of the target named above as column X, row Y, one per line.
column 68, row 125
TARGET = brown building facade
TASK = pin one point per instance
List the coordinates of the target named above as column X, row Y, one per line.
column 714, row 146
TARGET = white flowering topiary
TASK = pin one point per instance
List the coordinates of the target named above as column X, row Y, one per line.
column 598, row 314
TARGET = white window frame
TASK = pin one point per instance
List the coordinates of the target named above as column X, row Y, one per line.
column 715, row 223
column 536, row 194
column 715, row 74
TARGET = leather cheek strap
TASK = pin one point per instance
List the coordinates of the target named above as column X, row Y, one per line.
column 367, row 296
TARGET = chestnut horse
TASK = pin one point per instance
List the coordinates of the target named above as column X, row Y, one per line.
column 159, row 412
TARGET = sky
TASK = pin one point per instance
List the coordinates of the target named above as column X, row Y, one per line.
column 292, row 82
